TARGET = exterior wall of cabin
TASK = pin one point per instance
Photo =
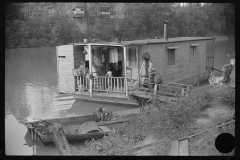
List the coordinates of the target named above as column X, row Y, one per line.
column 184, row 66
column 65, row 66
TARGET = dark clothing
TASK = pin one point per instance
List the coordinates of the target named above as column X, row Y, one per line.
column 158, row 78
column 226, row 73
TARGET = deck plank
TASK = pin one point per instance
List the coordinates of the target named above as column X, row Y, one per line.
column 183, row 148
column 174, row 148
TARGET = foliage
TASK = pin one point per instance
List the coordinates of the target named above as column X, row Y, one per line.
column 141, row 21
column 34, row 32
column 204, row 144
column 164, row 119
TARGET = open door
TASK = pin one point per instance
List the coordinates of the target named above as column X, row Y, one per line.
column 132, row 63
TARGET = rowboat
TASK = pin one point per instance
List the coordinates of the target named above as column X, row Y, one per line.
column 85, row 131
column 79, row 128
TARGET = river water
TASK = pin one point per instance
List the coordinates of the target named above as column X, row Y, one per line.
column 31, row 91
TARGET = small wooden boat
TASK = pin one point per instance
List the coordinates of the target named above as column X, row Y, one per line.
column 78, row 128
column 88, row 130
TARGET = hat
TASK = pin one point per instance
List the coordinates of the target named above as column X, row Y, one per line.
column 100, row 109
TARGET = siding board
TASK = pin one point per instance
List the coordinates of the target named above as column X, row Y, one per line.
column 65, row 66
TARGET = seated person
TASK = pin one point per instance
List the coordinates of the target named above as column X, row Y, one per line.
column 102, row 114
column 112, row 69
column 118, row 69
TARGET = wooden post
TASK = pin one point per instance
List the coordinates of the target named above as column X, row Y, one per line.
column 182, row 92
column 59, row 139
column 213, row 57
column 90, row 69
column 57, row 68
column 155, row 88
column 187, row 90
column 125, row 67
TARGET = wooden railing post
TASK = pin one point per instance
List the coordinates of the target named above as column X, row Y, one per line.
column 182, row 92
column 187, row 90
column 155, row 88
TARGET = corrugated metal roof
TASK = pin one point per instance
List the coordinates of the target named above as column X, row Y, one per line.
column 151, row 41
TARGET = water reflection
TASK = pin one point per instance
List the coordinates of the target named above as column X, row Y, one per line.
column 14, row 141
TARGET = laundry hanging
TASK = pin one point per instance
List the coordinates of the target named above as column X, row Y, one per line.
column 96, row 58
column 113, row 55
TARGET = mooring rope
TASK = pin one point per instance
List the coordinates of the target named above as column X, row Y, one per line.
column 195, row 134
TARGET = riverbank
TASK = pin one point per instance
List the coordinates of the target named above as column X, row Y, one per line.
column 160, row 123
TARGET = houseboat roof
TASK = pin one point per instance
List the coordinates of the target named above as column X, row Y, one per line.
column 148, row 41
column 170, row 40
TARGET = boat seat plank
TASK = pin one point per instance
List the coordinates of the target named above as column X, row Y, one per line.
column 105, row 129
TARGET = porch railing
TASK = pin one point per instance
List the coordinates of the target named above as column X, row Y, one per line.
column 82, row 83
column 167, row 88
column 210, row 62
column 101, row 83
column 113, row 84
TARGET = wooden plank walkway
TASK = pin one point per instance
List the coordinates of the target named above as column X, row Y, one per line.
column 179, row 148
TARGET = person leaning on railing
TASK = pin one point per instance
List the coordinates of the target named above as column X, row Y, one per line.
column 154, row 75
column 227, row 70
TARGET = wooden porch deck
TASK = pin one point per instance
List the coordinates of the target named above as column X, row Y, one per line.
column 117, row 98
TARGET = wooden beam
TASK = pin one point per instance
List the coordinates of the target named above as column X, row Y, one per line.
column 125, row 68
column 60, row 140
column 90, row 69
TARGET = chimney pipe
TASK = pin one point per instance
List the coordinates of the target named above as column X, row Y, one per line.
column 166, row 30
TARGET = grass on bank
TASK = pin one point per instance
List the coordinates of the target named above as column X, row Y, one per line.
column 166, row 121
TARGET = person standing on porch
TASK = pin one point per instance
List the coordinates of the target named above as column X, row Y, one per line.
column 154, row 76
column 151, row 72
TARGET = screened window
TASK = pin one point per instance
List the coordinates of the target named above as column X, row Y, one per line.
column 171, row 57
column 193, row 52
column 132, row 56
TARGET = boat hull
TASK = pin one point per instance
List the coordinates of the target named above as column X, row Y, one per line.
column 71, row 136
column 47, row 139
column 105, row 99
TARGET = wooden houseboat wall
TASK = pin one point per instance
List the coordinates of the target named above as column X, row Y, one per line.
column 64, row 67
column 187, row 68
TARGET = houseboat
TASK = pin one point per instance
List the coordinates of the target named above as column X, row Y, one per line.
column 182, row 63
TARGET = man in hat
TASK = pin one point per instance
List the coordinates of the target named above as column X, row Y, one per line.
column 227, row 70
column 99, row 114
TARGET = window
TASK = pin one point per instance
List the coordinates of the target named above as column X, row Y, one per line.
column 132, row 56
column 103, row 10
column 171, row 57
column 193, row 52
